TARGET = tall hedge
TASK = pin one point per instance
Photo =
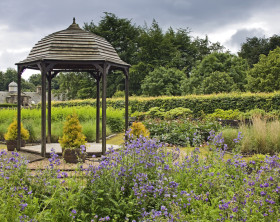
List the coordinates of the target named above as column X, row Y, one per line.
column 197, row 103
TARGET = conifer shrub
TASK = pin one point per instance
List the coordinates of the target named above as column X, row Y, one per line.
column 72, row 133
column 13, row 132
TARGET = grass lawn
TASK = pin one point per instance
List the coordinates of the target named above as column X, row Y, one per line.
column 118, row 139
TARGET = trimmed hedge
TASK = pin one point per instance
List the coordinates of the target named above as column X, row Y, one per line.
column 8, row 105
column 196, row 103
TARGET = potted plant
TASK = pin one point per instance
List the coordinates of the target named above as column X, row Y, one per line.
column 73, row 140
column 11, row 136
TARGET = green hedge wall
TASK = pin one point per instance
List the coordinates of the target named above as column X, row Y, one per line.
column 8, row 105
column 197, row 103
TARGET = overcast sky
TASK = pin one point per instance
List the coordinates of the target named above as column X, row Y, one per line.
column 24, row 22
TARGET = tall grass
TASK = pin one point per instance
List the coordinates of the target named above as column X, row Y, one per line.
column 31, row 119
column 262, row 136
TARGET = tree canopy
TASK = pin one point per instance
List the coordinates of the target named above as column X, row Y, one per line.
column 163, row 81
column 265, row 75
column 234, row 66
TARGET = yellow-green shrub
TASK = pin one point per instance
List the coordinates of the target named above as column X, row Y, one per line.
column 138, row 129
column 13, row 132
column 72, row 133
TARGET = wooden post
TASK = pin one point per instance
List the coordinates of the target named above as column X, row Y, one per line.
column 43, row 112
column 97, row 106
column 126, row 98
column 19, row 109
column 49, row 107
column 104, row 90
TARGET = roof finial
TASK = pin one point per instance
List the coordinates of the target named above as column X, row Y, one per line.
column 74, row 20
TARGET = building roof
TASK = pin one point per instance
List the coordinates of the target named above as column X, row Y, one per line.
column 13, row 84
column 3, row 96
column 70, row 45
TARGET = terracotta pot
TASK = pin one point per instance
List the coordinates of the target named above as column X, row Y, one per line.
column 73, row 155
column 12, row 144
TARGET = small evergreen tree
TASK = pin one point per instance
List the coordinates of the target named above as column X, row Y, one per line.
column 13, row 132
column 72, row 133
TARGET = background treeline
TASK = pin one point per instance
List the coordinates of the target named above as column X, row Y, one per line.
column 171, row 62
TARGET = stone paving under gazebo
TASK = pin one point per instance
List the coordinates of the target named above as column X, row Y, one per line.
column 91, row 148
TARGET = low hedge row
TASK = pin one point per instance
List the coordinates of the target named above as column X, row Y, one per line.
column 197, row 103
column 8, row 105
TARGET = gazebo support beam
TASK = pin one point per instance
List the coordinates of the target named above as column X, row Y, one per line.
column 19, row 108
column 97, row 107
column 106, row 67
column 43, row 111
column 126, row 98
column 49, row 107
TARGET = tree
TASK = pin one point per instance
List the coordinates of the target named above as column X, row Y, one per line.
column 120, row 32
column 155, row 47
column 35, row 79
column 234, row 66
column 218, row 82
column 76, row 85
column 254, row 47
column 2, row 81
column 265, row 75
column 163, row 81
column 10, row 76
column 137, row 75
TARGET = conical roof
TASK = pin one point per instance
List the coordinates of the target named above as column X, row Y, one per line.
column 71, row 45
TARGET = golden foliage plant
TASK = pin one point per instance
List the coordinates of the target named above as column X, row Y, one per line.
column 13, row 132
column 138, row 129
column 72, row 133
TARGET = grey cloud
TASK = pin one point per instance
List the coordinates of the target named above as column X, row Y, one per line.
column 196, row 14
column 39, row 18
column 240, row 36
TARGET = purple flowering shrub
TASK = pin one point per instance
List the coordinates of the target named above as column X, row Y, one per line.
column 145, row 181
column 44, row 195
column 131, row 183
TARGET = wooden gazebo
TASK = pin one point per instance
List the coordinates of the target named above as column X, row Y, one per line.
column 72, row 50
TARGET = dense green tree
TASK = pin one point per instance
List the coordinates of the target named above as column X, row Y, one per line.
column 120, row 32
column 218, row 82
column 163, row 81
column 149, row 47
column 254, row 47
column 2, row 81
column 234, row 66
column 155, row 47
column 265, row 75
column 76, row 85
column 35, row 79
column 27, row 86
column 137, row 74
column 11, row 76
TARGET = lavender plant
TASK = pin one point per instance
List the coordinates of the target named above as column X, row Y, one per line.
column 145, row 181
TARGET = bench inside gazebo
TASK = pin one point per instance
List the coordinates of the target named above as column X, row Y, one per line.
column 72, row 50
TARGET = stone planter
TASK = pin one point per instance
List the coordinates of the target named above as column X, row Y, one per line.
column 12, row 144
column 73, row 155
